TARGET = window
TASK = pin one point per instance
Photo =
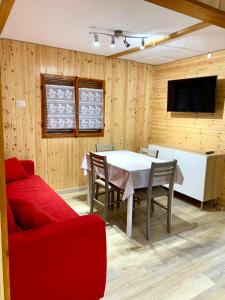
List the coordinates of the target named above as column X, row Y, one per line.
column 58, row 106
column 90, row 96
column 72, row 106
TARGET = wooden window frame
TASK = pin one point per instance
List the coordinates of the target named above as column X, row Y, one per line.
column 89, row 83
column 77, row 82
column 56, row 79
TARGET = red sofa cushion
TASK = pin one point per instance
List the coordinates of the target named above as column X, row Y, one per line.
column 28, row 166
column 35, row 191
column 28, row 215
column 12, row 227
column 14, row 170
column 59, row 261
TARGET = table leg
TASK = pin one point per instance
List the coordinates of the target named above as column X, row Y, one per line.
column 129, row 215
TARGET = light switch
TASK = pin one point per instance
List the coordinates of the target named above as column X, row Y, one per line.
column 20, row 103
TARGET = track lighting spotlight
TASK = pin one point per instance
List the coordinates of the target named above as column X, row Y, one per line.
column 209, row 55
column 96, row 40
column 142, row 46
column 113, row 42
column 117, row 34
column 126, row 43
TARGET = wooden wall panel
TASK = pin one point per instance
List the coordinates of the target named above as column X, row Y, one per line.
column 4, row 250
column 190, row 130
column 128, row 89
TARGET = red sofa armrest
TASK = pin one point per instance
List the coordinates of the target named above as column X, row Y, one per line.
column 28, row 166
column 64, row 260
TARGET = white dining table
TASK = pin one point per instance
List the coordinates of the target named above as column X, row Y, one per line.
column 128, row 171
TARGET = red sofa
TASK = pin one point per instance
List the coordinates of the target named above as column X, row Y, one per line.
column 54, row 253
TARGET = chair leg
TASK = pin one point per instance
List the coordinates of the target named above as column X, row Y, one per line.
column 91, row 200
column 152, row 209
column 92, row 206
column 118, row 199
column 169, row 215
column 106, row 207
column 148, row 229
column 97, row 192
column 112, row 199
column 169, row 218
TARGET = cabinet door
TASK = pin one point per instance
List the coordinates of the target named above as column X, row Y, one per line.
column 193, row 168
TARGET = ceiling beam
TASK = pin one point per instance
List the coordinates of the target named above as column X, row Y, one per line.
column 195, row 9
column 5, row 9
column 164, row 40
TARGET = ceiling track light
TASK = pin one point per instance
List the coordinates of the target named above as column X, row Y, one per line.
column 142, row 46
column 113, row 42
column 209, row 55
column 96, row 40
column 126, row 43
column 118, row 34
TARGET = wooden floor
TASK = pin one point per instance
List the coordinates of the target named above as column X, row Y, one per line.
column 189, row 263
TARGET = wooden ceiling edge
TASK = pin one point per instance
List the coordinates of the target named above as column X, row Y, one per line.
column 5, row 9
column 163, row 40
column 194, row 9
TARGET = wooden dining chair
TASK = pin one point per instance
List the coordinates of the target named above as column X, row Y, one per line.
column 150, row 152
column 103, row 148
column 159, row 172
column 153, row 153
column 144, row 151
column 99, row 178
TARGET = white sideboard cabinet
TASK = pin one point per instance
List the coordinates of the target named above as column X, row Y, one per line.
column 203, row 173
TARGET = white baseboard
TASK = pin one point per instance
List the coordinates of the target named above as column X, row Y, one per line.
column 72, row 190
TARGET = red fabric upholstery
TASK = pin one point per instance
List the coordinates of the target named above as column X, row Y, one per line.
column 61, row 261
column 34, row 190
column 12, row 227
column 14, row 170
column 28, row 165
column 64, row 260
column 28, row 215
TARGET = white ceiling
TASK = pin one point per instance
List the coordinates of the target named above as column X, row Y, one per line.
column 66, row 24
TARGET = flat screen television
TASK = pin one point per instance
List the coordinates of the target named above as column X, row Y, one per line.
column 192, row 95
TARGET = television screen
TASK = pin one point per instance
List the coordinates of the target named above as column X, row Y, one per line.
column 192, row 95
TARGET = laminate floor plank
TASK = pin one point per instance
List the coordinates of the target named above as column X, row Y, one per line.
column 187, row 264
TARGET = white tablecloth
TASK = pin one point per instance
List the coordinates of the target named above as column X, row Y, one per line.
column 129, row 170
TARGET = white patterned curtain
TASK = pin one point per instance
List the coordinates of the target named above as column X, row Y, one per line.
column 90, row 109
column 60, row 107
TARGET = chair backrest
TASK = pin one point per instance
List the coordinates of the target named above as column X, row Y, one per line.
column 149, row 152
column 144, row 151
column 99, row 166
column 162, row 173
column 103, row 148
column 153, row 153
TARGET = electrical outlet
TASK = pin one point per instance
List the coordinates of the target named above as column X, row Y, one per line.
column 20, row 103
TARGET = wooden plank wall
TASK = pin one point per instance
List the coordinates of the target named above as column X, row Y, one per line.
column 128, row 89
column 190, row 130
column 4, row 250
